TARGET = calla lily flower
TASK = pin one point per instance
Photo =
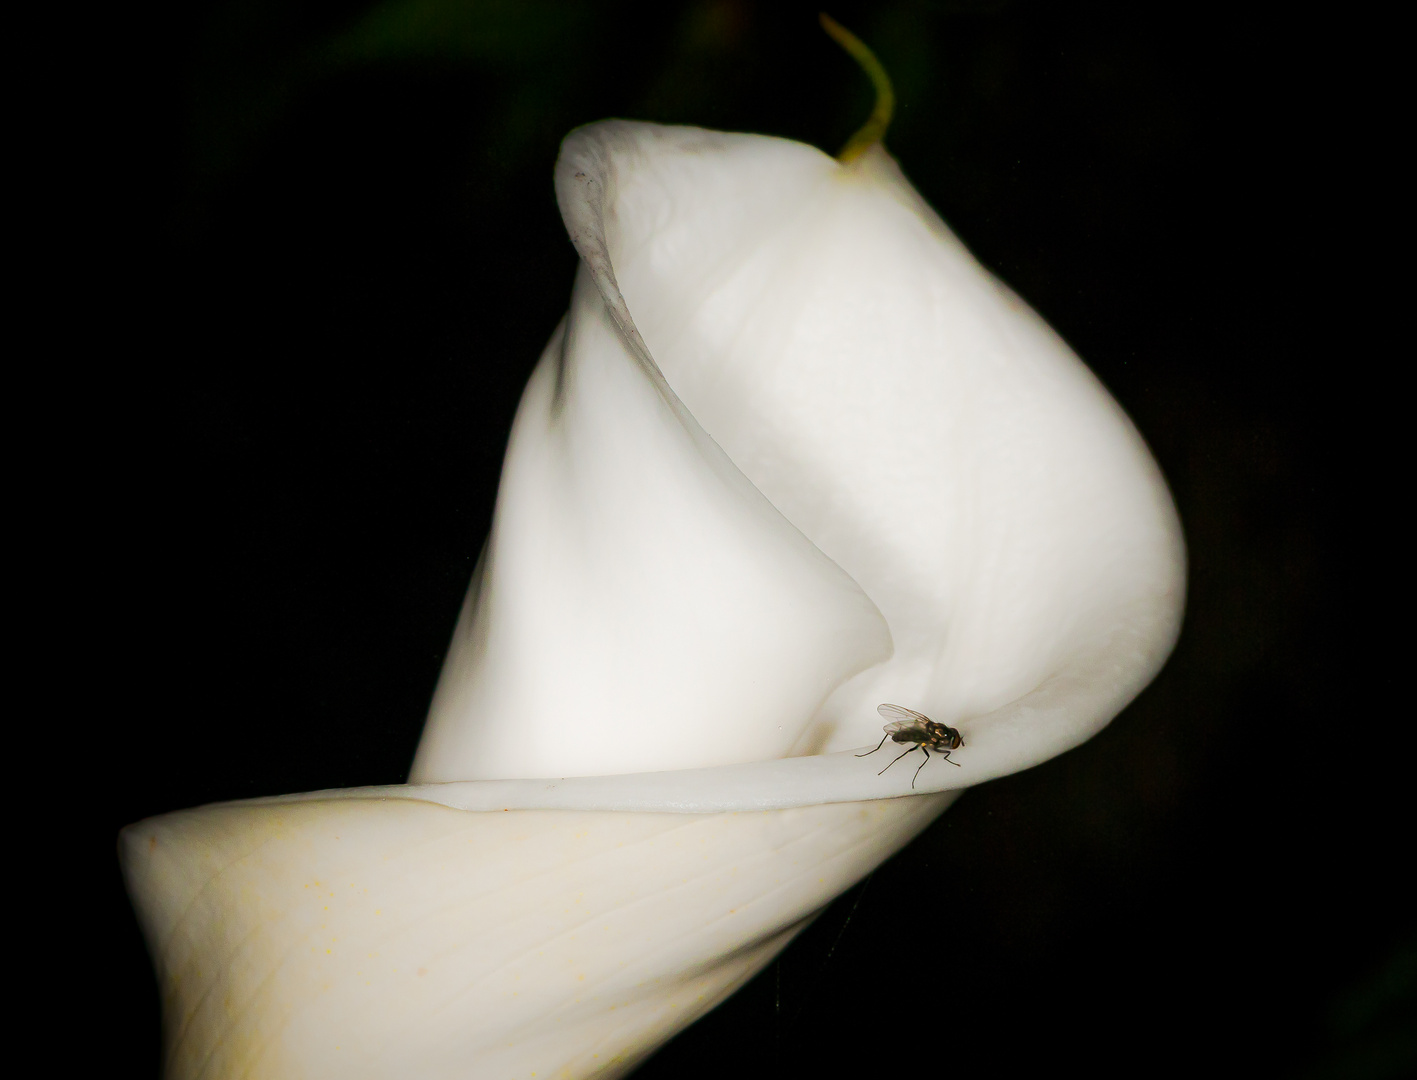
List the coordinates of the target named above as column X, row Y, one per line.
column 791, row 454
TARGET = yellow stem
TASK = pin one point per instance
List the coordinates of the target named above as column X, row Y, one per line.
column 874, row 129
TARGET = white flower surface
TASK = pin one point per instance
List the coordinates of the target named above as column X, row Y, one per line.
column 785, row 388
column 791, row 454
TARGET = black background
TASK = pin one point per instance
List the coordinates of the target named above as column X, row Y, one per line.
column 331, row 256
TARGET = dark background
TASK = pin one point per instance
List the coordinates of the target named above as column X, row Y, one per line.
column 331, row 257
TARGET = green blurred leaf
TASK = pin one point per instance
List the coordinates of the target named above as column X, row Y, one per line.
column 497, row 33
column 1374, row 1024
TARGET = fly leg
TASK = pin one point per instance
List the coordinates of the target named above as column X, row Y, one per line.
column 912, row 750
column 880, row 744
column 944, row 754
column 922, row 765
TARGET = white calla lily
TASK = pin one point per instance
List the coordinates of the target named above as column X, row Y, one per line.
column 792, row 454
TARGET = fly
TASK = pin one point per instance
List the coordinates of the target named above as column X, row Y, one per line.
column 909, row 726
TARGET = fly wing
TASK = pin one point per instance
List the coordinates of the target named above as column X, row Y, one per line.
column 901, row 714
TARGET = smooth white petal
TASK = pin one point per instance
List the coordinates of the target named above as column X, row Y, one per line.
column 920, row 425
column 899, row 405
column 398, row 938
column 640, row 605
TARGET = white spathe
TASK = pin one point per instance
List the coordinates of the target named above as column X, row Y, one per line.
column 397, row 939
column 917, row 422
column 792, row 453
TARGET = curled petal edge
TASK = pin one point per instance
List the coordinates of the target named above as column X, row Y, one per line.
column 368, row 935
